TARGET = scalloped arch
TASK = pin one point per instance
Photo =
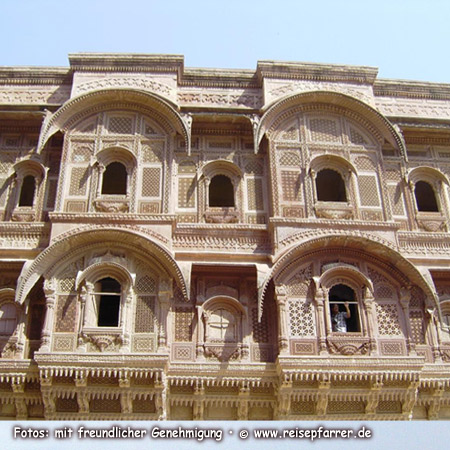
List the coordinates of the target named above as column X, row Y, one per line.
column 76, row 108
column 69, row 242
column 283, row 106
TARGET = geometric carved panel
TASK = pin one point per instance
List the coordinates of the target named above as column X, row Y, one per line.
column 63, row 343
column 66, row 313
column 143, row 344
column 186, row 192
column 290, row 182
column 324, row 130
column 78, row 181
column 260, row 328
column 184, row 318
column 417, row 320
column 392, row 348
column 368, row 190
column 145, row 316
column 301, row 318
column 255, row 194
column 151, row 181
column 388, row 319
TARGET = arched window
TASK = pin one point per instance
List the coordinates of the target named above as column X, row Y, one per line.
column 425, row 197
column 343, row 309
column 27, row 191
column 8, row 319
column 115, row 179
column 221, row 192
column 107, row 293
column 330, row 186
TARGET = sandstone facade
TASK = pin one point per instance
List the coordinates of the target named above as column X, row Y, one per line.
column 172, row 241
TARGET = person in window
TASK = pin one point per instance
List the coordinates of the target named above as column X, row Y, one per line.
column 338, row 318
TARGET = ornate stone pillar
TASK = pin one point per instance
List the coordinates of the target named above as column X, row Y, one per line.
column 371, row 318
column 323, row 325
column 281, row 300
column 50, row 303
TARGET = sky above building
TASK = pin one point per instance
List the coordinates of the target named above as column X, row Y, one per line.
column 404, row 39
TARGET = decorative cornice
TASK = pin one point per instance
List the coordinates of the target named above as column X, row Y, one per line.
column 22, row 76
column 102, row 218
column 316, row 72
column 411, row 89
column 126, row 62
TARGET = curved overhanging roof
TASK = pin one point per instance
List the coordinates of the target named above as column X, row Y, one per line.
column 378, row 252
column 108, row 237
column 76, row 108
column 379, row 122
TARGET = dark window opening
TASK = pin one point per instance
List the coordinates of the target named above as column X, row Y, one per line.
column 340, row 320
column 27, row 191
column 108, row 296
column 115, row 179
column 425, row 197
column 330, row 186
column 221, row 192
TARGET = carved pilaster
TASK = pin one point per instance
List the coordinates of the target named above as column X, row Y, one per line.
column 371, row 318
column 281, row 300
column 50, row 303
column 319, row 298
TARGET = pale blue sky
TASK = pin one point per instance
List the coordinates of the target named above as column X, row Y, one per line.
column 406, row 39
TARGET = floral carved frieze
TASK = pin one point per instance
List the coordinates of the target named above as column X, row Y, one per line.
column 222, row 215
column 242, row 98
column 413, row 108
column 42, row 95
column 23, row 217
column 348, row 345
column 282, row 89
column 142, row 83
